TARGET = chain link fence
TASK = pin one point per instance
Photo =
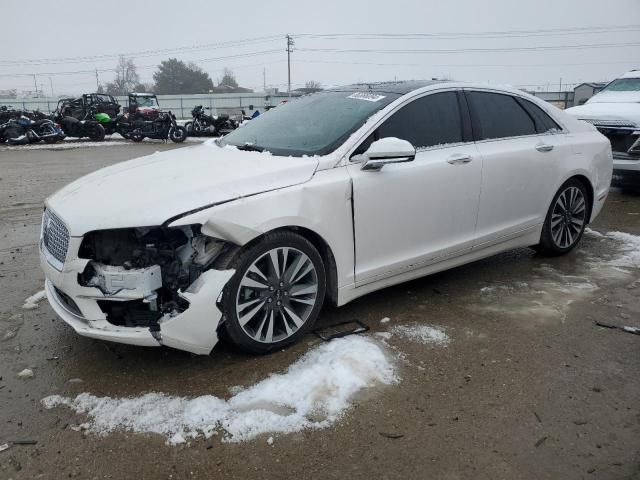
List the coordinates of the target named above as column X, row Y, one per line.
column 180, row 105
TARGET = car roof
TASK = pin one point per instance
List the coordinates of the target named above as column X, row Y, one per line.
column 631, row 74
column 400, row 88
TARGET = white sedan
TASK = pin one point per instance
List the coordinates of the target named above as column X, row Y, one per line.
column 327, row 198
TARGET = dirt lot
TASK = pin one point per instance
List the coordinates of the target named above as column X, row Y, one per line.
column 527, row 388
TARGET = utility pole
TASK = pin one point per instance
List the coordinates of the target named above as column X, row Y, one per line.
column 264, row 78
column 97, row 81
column 560, row 89
column 35, row 83
column 51, row 84
column 289, row 47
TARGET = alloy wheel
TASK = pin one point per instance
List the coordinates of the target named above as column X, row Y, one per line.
column 568, row 217
column 277, row 294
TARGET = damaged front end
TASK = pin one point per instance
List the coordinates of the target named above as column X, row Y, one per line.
column 157, row 280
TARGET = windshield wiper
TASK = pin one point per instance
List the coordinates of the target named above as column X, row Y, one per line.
column 250, row 147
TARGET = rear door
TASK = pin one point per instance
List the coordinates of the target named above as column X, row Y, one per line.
column 519, row 165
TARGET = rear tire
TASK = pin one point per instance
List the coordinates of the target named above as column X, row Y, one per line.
column 268, row 306
column 136, row 137
column 97, row 133
column 566, row 219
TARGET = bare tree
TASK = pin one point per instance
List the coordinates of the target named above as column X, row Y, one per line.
column 126, row 77
column 228, row 79
column 313, row 84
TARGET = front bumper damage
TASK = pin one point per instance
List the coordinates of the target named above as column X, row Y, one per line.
column 194, row 329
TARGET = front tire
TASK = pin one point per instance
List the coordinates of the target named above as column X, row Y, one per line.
column 276, row 294
column 178, row 134
column 566, row 219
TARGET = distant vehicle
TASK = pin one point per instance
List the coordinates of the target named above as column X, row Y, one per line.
column 102, row 103
column 162, row 127
column 327, row 198
column 209, row 125
column 24, row 130
column 615, row 112
column 143, row 105
column 76, row 120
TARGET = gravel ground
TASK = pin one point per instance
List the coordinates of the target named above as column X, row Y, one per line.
column 524, row 387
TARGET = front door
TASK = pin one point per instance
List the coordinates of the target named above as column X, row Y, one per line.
column 412, row 214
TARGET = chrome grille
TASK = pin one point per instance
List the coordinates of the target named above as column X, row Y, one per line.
column 55, row 236
column 610, row 123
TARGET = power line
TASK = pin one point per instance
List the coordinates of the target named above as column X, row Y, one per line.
column 486, row 34
column 142, row 67
column 143, row 53
column 472, row 50
column 470, row 65
column 330, row 36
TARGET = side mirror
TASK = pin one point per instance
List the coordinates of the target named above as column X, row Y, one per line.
column 385, row 151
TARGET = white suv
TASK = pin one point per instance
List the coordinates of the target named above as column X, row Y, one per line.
column 615, row 112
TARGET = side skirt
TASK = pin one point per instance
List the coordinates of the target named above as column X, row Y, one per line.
column 351, row 292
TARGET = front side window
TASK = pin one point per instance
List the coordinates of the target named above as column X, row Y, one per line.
column 426, row 122
column 498, row 115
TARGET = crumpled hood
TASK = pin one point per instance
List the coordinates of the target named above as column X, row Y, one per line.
column 149, row 190
column 607, row 111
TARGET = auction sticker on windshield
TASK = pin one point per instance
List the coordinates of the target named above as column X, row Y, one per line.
column 369, row 97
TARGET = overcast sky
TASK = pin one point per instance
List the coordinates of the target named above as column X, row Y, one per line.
column 51, row 36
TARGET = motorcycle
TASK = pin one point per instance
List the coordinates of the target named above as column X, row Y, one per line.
column 23, row 130
column 160, row 128
column 118, row 124
column 74, row 127
column 208, row 125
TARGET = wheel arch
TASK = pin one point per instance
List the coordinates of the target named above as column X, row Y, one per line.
column 326, row 253
column 590, row 191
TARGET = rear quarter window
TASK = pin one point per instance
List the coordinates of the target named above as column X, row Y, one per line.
column 544, row 123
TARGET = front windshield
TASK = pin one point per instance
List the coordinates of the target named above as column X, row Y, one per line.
column 147, row 102
column 623, row 85
column 311, row 125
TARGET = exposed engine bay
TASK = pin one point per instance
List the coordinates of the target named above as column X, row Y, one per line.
column 145, row 270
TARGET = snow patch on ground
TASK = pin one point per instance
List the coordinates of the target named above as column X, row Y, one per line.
column 425, row 334
column 628, row 255
column 32, row 302
column 549, row 292
column 546, row 296
column 314, row 392
column 72, row 143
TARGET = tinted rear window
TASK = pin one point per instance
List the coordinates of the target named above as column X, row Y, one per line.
column 499, row 116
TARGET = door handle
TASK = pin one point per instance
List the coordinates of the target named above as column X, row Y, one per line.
column 458, row 159
column 544, row 148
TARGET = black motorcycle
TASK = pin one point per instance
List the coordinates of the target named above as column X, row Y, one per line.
column 23, row 130
column 208, row 125
column 160, row 128
column 7, row 113
column 77, row 127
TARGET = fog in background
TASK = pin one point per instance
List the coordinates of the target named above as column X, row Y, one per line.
column 47, row 38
